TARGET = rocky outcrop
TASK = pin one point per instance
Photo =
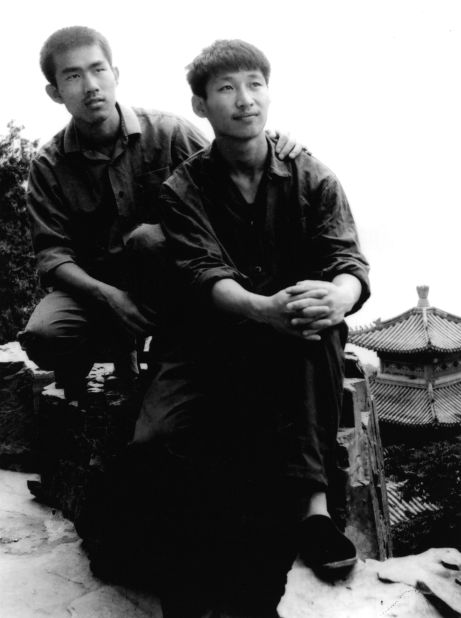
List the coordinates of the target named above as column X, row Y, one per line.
column 422, row 586
column 76, row 442
column 43, row 571
column 70, row 446
column 21, row 383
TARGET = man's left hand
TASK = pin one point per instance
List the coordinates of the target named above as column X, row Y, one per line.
column 286, row 146
column 309, row 299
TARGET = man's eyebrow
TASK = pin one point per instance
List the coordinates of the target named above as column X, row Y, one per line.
column 228, row 76
column 224, row 76
column 71, row 69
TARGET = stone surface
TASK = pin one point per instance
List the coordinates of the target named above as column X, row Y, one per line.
column 364, row 595
column 43, row 570
column 436, row 571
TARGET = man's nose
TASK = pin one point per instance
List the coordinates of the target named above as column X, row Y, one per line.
column 91, row 83
column 244, row 97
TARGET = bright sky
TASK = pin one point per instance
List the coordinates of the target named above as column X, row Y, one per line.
column 371, row 87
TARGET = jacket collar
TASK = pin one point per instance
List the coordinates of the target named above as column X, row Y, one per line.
column 274, row 166
column 129, row 125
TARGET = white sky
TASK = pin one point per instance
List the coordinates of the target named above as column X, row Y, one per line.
column 371, row 87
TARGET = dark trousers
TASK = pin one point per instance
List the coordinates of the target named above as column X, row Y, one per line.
column 245, row 428
column 233, row 435
column 65, row 332
column 255, row 401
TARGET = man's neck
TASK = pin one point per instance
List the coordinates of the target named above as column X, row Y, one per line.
column 246, row 161
column 244, row 157
column 100, row 136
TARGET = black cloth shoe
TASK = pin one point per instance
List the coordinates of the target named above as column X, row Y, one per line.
column 323, row 547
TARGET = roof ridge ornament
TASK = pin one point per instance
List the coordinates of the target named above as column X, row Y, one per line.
column 423, row 293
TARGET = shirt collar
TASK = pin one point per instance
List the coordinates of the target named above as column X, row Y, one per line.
column 274, row 166
column 129, row 126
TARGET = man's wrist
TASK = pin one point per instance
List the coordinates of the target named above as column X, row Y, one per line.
column 257, row 307
column 100, row 292
column 350, row 288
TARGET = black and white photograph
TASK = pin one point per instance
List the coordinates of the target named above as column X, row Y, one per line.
column 230, row 311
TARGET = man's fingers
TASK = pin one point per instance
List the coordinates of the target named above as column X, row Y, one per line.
column 282, row 141
column 311, row 322
column 150, row 313
column 311, row 335
column 138, row 323
column 318, row 294
column 307, row 307
column 295, row 151
column 306, row 286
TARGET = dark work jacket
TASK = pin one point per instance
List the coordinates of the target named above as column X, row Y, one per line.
column 300, row 227
column 84, row 204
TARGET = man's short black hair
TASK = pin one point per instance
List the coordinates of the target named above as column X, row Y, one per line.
column 70, row 38
column 225, row 55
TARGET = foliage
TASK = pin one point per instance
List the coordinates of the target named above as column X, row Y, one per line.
column 432, row 472
column 18, row 279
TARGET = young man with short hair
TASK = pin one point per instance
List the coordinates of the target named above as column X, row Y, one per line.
column 92, row 199
column 268, row 257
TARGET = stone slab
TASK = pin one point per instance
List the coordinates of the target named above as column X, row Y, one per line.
column 43, row 570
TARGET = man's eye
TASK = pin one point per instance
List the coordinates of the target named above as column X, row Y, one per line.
column 226, row 87
column 101, row 69
column 256, row 84
column 72, row 76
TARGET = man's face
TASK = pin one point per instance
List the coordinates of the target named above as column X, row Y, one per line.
column 85, row 84
column 237, row 104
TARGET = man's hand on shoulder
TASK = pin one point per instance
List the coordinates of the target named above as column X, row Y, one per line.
column 286, row 146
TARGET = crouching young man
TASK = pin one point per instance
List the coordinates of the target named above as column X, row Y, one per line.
column 92, row 197
column 269, row 264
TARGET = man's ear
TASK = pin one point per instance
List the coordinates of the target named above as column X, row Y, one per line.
column 53, row 93
column 116, row 73
column 199, row 107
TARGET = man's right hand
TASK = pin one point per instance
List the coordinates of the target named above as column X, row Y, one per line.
column 135, row 320
column 274, row 311
column 228, row 295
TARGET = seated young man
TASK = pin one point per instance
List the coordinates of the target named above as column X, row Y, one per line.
column 92, row 199
column 269, row 263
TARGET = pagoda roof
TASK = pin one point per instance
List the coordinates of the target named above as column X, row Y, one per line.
column 418, row 405
column 400, row 510
column 420, row 329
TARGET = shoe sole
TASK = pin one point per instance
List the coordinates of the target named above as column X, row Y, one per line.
column 340, row 564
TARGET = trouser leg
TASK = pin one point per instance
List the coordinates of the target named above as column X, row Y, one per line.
column 316, row 424
column 148, row 266
column 283, row 397
column 63, row 335
column 58, row 337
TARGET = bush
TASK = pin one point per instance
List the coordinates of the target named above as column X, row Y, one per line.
column 19, row 289
column 431, row 472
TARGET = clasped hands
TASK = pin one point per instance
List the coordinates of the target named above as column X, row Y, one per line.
column 308, row 307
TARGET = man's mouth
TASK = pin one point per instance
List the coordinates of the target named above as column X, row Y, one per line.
column 95, row 102
column 245, row 116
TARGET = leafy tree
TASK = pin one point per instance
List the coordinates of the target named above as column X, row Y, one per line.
column 433, row 473
column 19, row 289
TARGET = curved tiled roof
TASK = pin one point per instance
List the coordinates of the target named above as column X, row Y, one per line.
column 418, row 330
column 418, row 404
column 401, row 510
